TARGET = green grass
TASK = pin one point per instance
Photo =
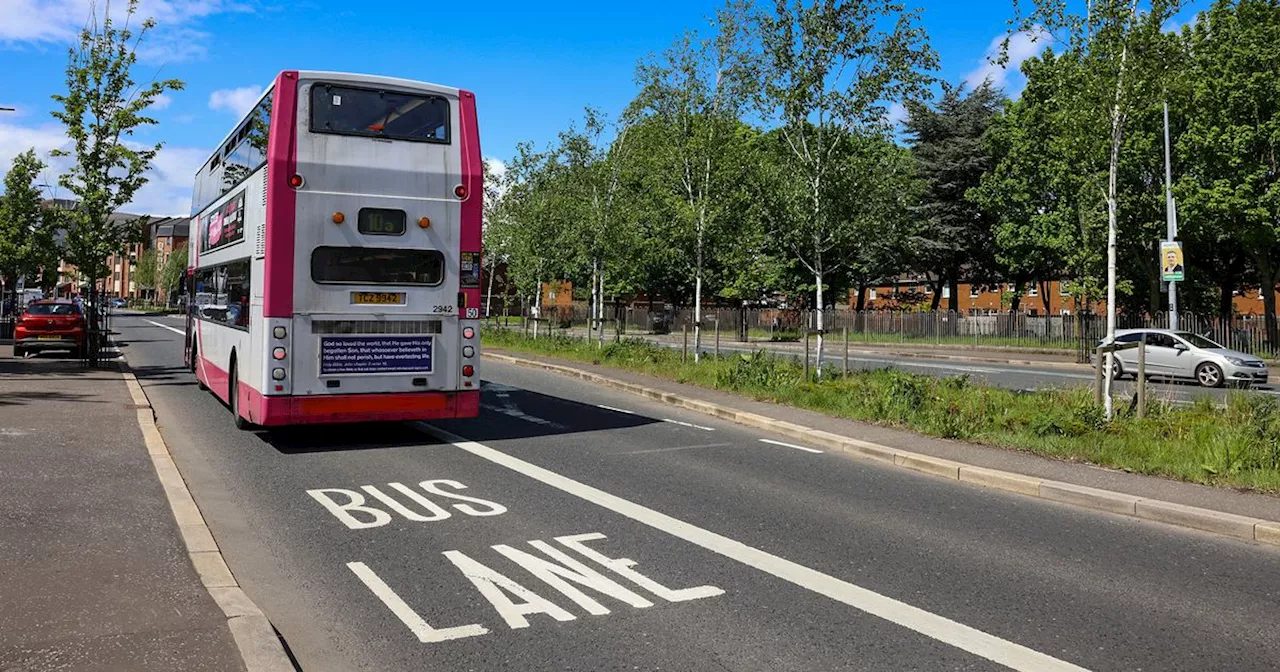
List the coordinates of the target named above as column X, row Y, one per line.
column 1235, row 446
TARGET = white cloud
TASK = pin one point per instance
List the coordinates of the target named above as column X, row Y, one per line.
column 496, row 167
column 59, row 21
column 897, row 113
column 1022, row 46
column 236, row 101
column 161, row 102
column 167, row 192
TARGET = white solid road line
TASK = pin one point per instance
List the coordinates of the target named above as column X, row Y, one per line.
column 165, row 326
column 791, row 445
column 615, row 410
column 977, row 642
column 689, row 424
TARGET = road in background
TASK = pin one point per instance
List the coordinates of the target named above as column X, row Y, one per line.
column 679, row 542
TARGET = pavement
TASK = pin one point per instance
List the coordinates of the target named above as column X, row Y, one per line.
column 94, row 574
column 577, row 527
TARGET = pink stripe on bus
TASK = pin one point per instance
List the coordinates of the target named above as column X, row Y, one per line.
column 473, row 178
column 282, row 200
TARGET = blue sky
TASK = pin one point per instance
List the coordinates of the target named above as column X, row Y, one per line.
column 533, row 66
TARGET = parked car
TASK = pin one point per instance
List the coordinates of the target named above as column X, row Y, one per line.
column 119, row 303
column 1184, row 355
column 49, row 325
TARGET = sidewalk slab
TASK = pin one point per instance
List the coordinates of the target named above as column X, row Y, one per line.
column 1076, row 483
column 94, row 573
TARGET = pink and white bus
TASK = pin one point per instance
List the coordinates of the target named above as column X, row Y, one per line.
column 334, row 270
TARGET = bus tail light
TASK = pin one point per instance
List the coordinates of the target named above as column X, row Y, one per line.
column 279, row 332
column 277, row 373
column 468, row 332
column 278, row 353
column 296, row 181
column 460, row 191
column 468, row 371
column 424, row 223
column 468, row 351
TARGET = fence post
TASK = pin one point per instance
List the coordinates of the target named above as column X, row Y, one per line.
column 1097, row 376
column 1142, row 380
column 717, row 334
column 846, row 351
column 684, row 351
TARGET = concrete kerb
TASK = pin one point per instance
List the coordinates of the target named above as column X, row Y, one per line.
column 259, row 647
column 1227, row 524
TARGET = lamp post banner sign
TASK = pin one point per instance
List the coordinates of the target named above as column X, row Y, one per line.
column 1171, row 265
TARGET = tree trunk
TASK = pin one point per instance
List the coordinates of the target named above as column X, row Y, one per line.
column 936, row 285
column 953, row 302
column 1267, row 288
column 488, row 300
column 861, row 303
column 1044, row 297
column 600, row 311
column 697, row 311
column 1226, row 299
column 818, row 361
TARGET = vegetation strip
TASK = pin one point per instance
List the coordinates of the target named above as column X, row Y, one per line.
column 1236, row 446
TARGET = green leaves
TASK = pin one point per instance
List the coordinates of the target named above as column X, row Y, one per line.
column 101, row 109
column 27, row 245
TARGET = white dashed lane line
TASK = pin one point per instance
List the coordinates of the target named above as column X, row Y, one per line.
column 689, row 424
column 790, row 445
column 165, row 326
column 615, row 410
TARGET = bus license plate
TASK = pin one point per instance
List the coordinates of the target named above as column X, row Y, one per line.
column 377, row 298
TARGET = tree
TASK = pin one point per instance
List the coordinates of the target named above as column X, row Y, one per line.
column 589, row 194
column 147, row 273
column 947, row 143
column 170, row 275
column 102, row 107
column 828, row 68
column 698, row 90
column 1229, row 153
column 27, row 246
column 1117, row 50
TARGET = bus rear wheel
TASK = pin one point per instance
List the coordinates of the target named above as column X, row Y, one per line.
column 195, row 363
column 233, row 393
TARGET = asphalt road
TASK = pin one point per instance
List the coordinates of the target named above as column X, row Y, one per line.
column 740, row 554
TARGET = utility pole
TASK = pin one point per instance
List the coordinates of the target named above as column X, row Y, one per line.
column 1171, row 218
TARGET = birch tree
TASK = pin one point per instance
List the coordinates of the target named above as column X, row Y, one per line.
column 698, row 89
column 1117, row 45
column 830, row 67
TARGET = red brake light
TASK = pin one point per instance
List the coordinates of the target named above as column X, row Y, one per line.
column 468, row 370
column 295, row 181
column 460, row 191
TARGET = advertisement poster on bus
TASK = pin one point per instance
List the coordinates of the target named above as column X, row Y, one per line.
column 375, row 354
column 223, row 226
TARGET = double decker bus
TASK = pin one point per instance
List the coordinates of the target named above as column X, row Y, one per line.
column 334, row 262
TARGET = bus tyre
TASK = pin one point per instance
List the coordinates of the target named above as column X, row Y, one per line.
column 233, row 393
column 195, row 359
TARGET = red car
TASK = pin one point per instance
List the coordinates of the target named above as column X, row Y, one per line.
column 49, row 325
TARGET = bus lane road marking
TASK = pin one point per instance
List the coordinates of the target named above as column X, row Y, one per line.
column 940, row 628
column 790, row 445
column 165, row 326
column 512, row 601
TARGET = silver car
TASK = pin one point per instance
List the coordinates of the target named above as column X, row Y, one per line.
column 1184, row 355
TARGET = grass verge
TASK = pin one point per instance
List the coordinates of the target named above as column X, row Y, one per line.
column 1238, row 446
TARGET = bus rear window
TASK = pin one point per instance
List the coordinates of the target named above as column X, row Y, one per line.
column 376, row 266
column 379, row 114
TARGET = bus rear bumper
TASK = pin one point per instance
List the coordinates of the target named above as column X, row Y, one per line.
column 339, row 408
